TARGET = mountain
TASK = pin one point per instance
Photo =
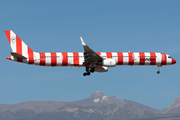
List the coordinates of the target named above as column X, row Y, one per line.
column 36, row 106
column 99, row 97
column 97, row 106
column 174, row 109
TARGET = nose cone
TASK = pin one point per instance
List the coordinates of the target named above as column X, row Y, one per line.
column 173, row 61
column 9, row 57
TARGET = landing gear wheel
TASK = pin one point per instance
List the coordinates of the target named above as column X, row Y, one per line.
column 158, row 72
column 88, row 73
column 84, row 74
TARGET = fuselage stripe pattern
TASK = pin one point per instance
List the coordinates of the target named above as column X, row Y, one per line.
column 42, row 59
column 131, row 58
column 19, row 47
column 142, row 58
column 31, row 56
column 109, row 54
column 64, row 59
column 53, row 59
column 120, row 58
column 153, row 58
column 76, row 59
column 164, row 59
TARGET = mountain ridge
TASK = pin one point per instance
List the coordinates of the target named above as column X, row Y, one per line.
column 96, row 105
column 174, row 108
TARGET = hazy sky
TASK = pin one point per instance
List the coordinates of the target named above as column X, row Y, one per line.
column 118, row 25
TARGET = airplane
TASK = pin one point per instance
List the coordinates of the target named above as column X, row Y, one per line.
column 92, row 61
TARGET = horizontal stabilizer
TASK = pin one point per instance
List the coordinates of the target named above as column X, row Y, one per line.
column 16, row 55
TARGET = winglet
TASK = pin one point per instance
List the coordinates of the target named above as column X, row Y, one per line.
column 83, row 43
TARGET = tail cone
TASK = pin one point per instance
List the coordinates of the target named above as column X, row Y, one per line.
column 9, row 57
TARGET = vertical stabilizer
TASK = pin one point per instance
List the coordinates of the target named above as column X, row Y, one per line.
column 18, row 46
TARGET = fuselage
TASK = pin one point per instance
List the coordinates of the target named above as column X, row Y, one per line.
column 77, row 58
column 91, row 60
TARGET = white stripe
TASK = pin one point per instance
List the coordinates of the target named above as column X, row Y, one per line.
column 48, row 59
column 103, row 55
column 59, row 59
column 125, row 58
column 13, row 41
column 81, row 58
column 147, row 55
column 169, row 60
column 158, row 59
column 114, row 56
column 36, row 58
column 70, row 59
column 24, row 49
column 136, row 58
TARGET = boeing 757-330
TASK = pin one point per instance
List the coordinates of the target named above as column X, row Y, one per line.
column 92, row 61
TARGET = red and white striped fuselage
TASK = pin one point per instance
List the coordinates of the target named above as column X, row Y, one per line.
column 97, row 61
column 77, row 58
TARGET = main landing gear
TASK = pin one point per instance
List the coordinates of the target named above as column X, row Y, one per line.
column 88, row 71
column 158, row 72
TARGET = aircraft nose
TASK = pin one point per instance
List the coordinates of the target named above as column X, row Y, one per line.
column 173, row 61
column 9, row 57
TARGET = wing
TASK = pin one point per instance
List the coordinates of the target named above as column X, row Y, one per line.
column 89, row 55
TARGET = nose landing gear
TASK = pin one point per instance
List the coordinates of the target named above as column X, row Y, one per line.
column 158, row 72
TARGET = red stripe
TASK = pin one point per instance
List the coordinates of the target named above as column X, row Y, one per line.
column 109, row 55
column 131, row 58
column 19, row 47
column 76, row 59
column 31, row 56
column 42, row 59
column 141, row 58
column 164, row 59
column 53, row 59
column 98, row 53
column 120, row 58
column 153, row 58
column 8, row 36
column 65, row 59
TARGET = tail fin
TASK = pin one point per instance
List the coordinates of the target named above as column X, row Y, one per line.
column 18, row 46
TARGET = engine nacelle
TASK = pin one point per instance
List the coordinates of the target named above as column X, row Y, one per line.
column 109, row 62
column 101, row 69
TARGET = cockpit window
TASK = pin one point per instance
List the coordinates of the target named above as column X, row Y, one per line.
column 169, row 57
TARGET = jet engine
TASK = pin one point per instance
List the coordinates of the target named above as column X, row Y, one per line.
column 109, row 62
column 101, row 69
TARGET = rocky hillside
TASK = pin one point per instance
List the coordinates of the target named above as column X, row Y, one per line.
column 97, row 106
column 173, row 109
column 101, row 98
